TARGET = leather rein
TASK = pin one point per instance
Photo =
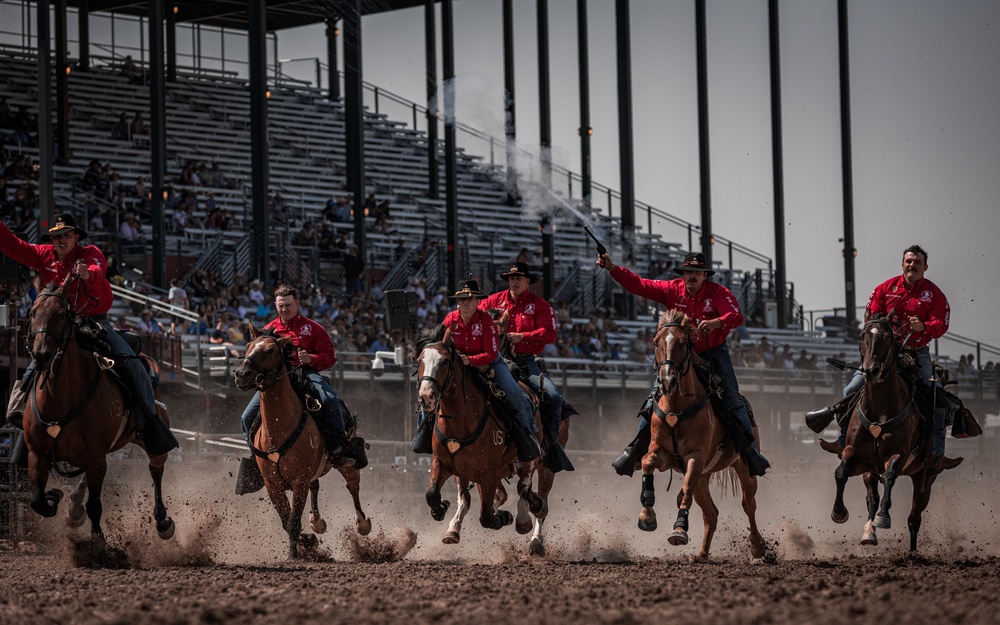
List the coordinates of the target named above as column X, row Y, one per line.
column 261, row 380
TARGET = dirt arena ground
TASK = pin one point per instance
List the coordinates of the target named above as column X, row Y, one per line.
column 227, row 563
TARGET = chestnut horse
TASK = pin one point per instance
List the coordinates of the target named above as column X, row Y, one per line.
column 294, row 453
column 688, row 437
column 885, row 438
column 77, row 415
column 469, row 441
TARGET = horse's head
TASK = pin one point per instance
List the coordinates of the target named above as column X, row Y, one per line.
column 436, row 365
column 672, row 349
column 267, row 359
column 50, row 326
column 878, row 349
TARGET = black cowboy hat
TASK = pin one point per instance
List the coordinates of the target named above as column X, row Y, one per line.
column 520, row 269
column 64, row 223
column 695, row 261
column 469, row 288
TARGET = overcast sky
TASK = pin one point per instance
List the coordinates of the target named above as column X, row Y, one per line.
column 925, row 92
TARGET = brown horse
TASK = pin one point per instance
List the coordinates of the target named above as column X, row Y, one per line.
column 885, row 439
column 77, row 415
column 688, row 437
column 294, row 454
column 469, row 442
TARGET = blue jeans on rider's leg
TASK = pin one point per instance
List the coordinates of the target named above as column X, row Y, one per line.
column 133, row 371
column 330, row 412
column 513, row 395
column 722, row 365
column 250, row 414
column 551, row 399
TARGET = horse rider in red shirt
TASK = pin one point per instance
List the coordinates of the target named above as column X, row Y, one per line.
column 476, row 338
column 531, row 325
column 314, row 352
column 59, row 256
column 716, row 312
column 920, row 314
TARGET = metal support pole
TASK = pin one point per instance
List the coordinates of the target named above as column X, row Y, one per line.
column 430, row 47
column 509, row 113
column 704, row 161
column 45, row 160
column 354, row 113
column 157, row 141
column 451, row 180
column 545, row 136
column 62, row 91
column 257, row 41
column 171, row 40
column 845, row 161
column 583, row 56
column 627, row 176
column 83, row 34
column 777, row 165
column 332, row 69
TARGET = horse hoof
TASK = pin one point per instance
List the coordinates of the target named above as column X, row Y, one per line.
column 523, row 528
column 869, row 539
column 647, row 526
column 308, row 541
column 536, row 548
column 76, row 516
column 165, row 528
column 451, row 538
column 503, row 518
column 438, row 513
column 678, row 537
column 883, row 522
column 364, row 526
column 318, row 525
column 840, row 519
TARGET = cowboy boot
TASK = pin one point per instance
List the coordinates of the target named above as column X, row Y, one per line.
column 357, row 449
column 422, row 438
column 15, row 405
column 818, row 420
column 525, row 443
column 834, row 448
column 248, row 478
column 625, row 463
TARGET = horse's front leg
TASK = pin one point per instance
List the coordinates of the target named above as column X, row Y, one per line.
column 433, row 496
column 748, row 484
column 535, row 503
column 96, row 472
column 840, row 476
column 869, row 537
column 164, row 524
column 882, row 519
column 922, row 482
column 44, row 503
column 352, row 479
column 710, row 514
column 489, row 516
column 77, row 514
column 276, row 493
column 316, row 522
column 653, row 460
column 454, row 533
column 692, row 479
column 300, row 494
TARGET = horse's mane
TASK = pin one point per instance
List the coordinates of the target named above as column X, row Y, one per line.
column 428, row 336
column 286, row 353
column 674, row 316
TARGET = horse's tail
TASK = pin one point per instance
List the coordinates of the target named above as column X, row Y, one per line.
column 726, row 478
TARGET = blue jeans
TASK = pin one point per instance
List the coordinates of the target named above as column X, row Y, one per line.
column 513, row 396
column 132, row 371
column 551, row 398
column 722, row 366
column 329, row 416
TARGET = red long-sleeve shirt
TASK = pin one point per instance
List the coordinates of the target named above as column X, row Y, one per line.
column 477, row 339
column 530, row 315
column 93, row 297
column 924, row 301
column 308, row 335
column 713, row 301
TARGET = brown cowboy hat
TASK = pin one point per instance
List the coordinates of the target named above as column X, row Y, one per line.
column 64, row 223
column 469, row 288
column 694, row 261
column 520, row 269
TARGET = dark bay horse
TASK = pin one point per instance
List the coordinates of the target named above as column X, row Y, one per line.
column 688, row 437
column 294, row 453
column 76, row 414
column 885, row 438
column 469, row 441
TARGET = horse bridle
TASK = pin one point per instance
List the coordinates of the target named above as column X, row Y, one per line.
column 894, row 352
column 63, row 340
column 271, row 375
column 440, row 387
column 684, row 364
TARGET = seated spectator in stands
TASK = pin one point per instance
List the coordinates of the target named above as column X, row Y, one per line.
column 767, row 352
column 537, row 259
column 121, row 324
column 131, row 232
column 382, row 209
column 813, row 363
column 219, row 178
column 752, row 357
column 122, row 130
column 216, row 219
column 134, row 73
column 138, row 126
column 96, row 221
column 353, row 272
column 787, row 359
column 369, row 205
column 188, row 176
column 148, row 325
column 306, row 236
column 379, row 344
column 963, row 365
column 382, row 225
column 343, row 212
column 803, row 361
column 256, row 292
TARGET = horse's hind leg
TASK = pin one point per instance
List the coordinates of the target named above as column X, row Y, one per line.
column 489, row 516
column 352, row 479
column 840, row 475
column 870, row 537
column 882, row 519
column 316, row 521
column 95, row 484
column 300, row 493
column 276, row 493
column 922, row 482
column 454, row 533
column 77, row 513
column 748, row 484
column 545, row 479
column 164, row 524
column 710, row 514
column 433, row 495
